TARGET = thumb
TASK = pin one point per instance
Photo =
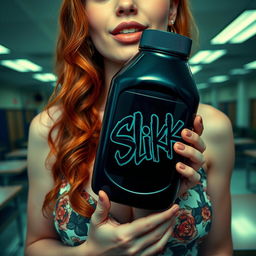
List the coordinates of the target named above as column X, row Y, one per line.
column 100, row 215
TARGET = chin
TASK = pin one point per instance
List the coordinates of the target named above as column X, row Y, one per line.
column 127, row 54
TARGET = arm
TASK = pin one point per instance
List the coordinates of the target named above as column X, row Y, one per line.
column 41, row 237
column 219, row 156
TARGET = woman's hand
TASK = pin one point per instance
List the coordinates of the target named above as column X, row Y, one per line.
column 144, row 236
column 193, row 152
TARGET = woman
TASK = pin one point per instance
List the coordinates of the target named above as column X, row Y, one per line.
column 61, row 204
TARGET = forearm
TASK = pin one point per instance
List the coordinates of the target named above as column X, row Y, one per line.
column 52, row 247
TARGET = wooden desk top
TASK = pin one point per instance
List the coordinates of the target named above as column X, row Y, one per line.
column 7, row 193
column 12, row 166
column 250, row 152
column 244, row 221
column 17, row 153
column 244, row 141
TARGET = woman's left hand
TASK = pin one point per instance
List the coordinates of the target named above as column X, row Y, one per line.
column 193, row 152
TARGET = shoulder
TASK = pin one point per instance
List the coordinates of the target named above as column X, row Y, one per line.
column 216, row 124
column 38, row 147
column 218, row 136
column 42, row 123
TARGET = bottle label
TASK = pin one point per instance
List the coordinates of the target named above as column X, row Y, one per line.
column 144, row 142
column 139, row 152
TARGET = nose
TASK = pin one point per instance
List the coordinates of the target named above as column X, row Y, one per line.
column 126, row 7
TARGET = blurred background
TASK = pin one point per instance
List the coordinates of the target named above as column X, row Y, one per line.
column 224, row 67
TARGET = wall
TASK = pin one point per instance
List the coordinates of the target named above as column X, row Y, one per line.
column 13, row 98
column 17, row 109
column 235, row 96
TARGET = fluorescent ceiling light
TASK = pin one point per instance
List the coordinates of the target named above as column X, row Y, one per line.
column 239, row 71
column 218, row 79
column 207, row 56
column 250, row 65
column 244, row 35
column 199, row 57
column 214, row 56
column 244, row 24
column 4, row 50
column 45, row 77
column 21, row 65
column 195, row 69
column 202, row 86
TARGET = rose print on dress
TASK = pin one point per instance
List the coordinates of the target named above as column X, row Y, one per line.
column 185, row 229
column 206, row 213
column 63, row 213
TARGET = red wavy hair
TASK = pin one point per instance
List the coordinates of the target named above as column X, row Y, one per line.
column 79, row 69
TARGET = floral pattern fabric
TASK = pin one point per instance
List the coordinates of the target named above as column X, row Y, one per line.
column 192, row 223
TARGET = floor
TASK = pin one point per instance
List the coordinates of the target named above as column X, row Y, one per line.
column 9, row 242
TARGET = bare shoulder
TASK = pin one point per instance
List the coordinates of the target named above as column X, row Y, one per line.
column 217, row 125
column 42, row 123
column 218, row 138
column 38, row 148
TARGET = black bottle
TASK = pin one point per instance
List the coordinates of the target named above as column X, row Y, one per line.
column 151, row 99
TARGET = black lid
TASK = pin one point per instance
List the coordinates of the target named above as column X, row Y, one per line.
column 166, row 41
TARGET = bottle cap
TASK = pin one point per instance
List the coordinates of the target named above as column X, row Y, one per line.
column 166, row 41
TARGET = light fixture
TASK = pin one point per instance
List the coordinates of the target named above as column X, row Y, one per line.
column 195, row 69
column 45, row 77
column 239, row 71
column 21, row 65
column 207, row 56
column 201, row 86
column 218, row 79
column 250, row 65
column 238, row 31
column 244, row 35
column 4, row 50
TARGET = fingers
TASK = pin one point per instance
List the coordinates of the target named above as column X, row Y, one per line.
column 159, row 246
column 198, row 125
column 156, row 240
column 144, row 225
column 189, row 152
column 100, row 215
column 194, row 139
column 188, row 172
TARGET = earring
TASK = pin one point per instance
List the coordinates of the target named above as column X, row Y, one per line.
column 172, row 28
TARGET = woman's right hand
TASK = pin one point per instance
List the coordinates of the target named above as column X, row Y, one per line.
column 144, row 236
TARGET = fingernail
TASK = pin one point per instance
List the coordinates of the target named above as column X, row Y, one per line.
column 188, row 133
column 175, row 208
column 100, row 197
column 180, row 146
column 182, row 166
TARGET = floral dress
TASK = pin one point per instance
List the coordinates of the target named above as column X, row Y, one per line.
column 192, row 223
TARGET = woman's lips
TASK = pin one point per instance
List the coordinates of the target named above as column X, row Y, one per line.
column 129, row 38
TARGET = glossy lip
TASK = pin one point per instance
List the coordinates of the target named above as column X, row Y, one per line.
column 130, row 37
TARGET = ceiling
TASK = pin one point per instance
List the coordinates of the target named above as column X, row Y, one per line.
column 29, row 29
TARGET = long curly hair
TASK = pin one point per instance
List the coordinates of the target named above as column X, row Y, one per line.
column 74, row 136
